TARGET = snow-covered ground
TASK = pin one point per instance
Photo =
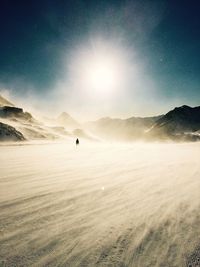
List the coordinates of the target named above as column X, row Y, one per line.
column 99, row 204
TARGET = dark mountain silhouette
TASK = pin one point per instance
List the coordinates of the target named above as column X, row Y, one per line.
column 180, row 122
column 15, row 112
column 9, row 133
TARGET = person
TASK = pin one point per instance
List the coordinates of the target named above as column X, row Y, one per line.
column 77, row 142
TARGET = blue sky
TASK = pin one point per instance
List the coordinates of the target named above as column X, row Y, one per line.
column 40, row 38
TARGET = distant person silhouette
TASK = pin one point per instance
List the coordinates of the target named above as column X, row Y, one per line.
column 77, row 142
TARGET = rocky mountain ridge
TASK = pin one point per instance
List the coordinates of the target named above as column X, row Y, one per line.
column 180, row 124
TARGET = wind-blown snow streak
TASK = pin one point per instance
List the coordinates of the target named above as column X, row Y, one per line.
column 99, row 205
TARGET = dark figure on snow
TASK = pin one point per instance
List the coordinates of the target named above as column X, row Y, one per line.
column 77, row 142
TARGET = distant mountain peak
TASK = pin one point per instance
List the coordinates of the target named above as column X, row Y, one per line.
column 185, row 107
column 184, row 111
column 64, row 114
column 181, row 120
column 67, row 120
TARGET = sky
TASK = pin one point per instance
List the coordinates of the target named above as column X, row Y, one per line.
column 152, row 48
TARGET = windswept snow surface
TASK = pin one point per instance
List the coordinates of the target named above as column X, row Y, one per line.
column 99, row 204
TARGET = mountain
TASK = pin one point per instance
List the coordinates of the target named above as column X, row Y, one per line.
column 9, row 133
column 66, row 120
column 5, row 102
column 133, row 128
column 180, row 122
column 15, row 113
column 15, row 121
column 16, row 124
column 10, row 111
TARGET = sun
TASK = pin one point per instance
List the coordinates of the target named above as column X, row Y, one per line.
column 101, row 75
column 98, row 70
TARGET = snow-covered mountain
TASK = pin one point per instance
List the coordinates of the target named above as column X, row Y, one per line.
column 180, row 123
column 15, row 121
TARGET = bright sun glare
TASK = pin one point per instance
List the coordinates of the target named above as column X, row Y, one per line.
column 99, row 71
column 101, row 75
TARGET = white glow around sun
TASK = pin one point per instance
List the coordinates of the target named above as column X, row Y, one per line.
column 99, row 71
column 101, row 74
